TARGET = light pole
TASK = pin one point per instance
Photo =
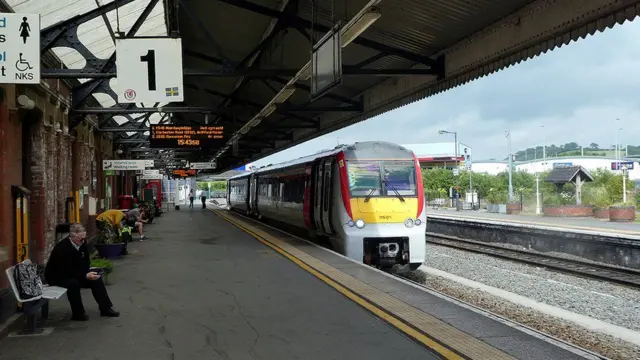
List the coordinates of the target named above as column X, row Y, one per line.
column 508, row 135
column 457, row 169
column 538, row 209
column 624, row 184
column 544, row 147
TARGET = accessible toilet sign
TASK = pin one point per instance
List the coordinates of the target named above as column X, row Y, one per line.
column 19, row 48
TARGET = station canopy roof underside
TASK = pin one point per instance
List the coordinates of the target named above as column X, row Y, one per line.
column 240, row 56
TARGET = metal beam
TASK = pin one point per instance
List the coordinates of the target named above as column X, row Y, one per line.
column 257, row 73
column 119, row 110
column 319, row 108
column 306, row 24
column 307, row 88
column 255, row 56
column 54, row 32
column 82, row 92
column 124, row 129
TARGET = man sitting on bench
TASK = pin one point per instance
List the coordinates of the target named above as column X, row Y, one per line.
column 135, row 219
column 68, row 267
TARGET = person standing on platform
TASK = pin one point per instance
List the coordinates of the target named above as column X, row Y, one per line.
column 69, row 267
column 109, row 222
column 203, row 198
column 191, row 198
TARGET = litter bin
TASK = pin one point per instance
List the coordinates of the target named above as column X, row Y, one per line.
column 125, row 201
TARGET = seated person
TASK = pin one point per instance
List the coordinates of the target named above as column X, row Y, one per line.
column 68, row 267
column 135, row 218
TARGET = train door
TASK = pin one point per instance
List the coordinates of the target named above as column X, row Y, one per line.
column 327, row 194
column 253, row 195
column 317, row 173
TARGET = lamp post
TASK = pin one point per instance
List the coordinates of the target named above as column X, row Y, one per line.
column 508, row 135
column 457, row 169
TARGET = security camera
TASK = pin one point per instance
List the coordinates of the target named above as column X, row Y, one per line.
column 25, row 102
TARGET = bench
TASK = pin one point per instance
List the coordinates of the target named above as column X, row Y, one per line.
column 31, row 306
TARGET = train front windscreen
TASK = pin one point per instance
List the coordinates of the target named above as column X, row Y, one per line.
column 382, row 178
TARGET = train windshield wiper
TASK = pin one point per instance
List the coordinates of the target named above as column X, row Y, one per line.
column 368, row 197
column 386, row 183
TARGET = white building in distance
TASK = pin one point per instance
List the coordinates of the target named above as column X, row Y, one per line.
column 590, row 163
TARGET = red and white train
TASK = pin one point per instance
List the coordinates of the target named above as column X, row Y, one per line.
column 366, row 198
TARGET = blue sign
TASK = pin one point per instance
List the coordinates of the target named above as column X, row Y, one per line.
column 241, row 168
column 562, row 165
column 619, row 165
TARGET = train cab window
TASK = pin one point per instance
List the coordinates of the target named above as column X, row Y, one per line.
column 364, row 178
column 399, row 176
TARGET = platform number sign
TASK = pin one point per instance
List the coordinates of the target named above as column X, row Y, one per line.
column 149, row 70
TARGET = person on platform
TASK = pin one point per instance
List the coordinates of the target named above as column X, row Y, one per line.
column 135, row 218
column 191, row 198
column 68, row 267
column 112, row 217
column 203, row 198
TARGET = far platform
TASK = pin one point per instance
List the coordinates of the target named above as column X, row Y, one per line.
column 584, row 224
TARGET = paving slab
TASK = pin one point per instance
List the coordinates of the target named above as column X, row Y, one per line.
column 203, row 289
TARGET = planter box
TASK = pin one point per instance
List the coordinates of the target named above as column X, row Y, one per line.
column 601, row 213
column 622, row 213
column 110, row 251
column 514, row 208
column 568, row 211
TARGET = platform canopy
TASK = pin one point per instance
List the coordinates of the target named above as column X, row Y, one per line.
column 246, row 63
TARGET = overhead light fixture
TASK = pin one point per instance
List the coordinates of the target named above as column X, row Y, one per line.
column 284, row 94
column 268, row 111
column 360, row 25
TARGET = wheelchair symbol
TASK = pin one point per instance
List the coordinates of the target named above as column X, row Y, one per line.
column 22, row 64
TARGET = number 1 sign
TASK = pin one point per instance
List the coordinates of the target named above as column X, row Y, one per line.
column 149, row 70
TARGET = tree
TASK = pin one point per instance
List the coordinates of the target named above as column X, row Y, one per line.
column 594, row 146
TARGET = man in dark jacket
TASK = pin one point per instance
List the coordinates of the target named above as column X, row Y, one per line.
column 68, row 267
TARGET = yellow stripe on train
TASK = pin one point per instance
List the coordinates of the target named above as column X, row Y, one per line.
column 384, row 210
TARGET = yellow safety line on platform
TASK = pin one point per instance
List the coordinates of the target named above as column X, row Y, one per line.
column 443, row 350
column 553, row 225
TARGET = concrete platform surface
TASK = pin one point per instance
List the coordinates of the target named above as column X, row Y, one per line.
column 203, row 289
column 590, row 224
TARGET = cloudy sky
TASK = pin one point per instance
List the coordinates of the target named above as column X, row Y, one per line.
column 576, row 92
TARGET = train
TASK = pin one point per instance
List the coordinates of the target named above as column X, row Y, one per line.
column 365, row 199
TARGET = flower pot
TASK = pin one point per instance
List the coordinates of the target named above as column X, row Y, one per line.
column 110, row 251
column 601, row 213
column 622, row 213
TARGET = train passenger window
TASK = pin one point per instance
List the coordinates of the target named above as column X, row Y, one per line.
column 364, row 178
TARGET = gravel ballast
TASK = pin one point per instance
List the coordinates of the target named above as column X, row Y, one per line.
column 611, row 303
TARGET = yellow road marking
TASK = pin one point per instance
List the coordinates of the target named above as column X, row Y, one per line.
column 442, row 350
column 559, row 226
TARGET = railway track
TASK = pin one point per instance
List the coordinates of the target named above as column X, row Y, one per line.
column 625, row 276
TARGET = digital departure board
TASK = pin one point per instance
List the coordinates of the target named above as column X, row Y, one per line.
column 183, row 173
column 186, row 136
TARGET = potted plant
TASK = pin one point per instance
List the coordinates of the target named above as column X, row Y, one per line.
column 109, row 245
column 105, row 265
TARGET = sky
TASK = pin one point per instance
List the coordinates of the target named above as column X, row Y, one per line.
column 573, row 93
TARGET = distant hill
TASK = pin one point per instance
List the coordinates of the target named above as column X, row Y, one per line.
column 573, row 149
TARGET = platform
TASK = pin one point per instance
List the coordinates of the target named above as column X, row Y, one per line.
column 203, row 288
column 575, row 224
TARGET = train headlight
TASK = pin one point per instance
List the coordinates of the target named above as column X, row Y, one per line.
column 408, row 223
column 351, row 223
column 359, row 223
column 418, row 222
